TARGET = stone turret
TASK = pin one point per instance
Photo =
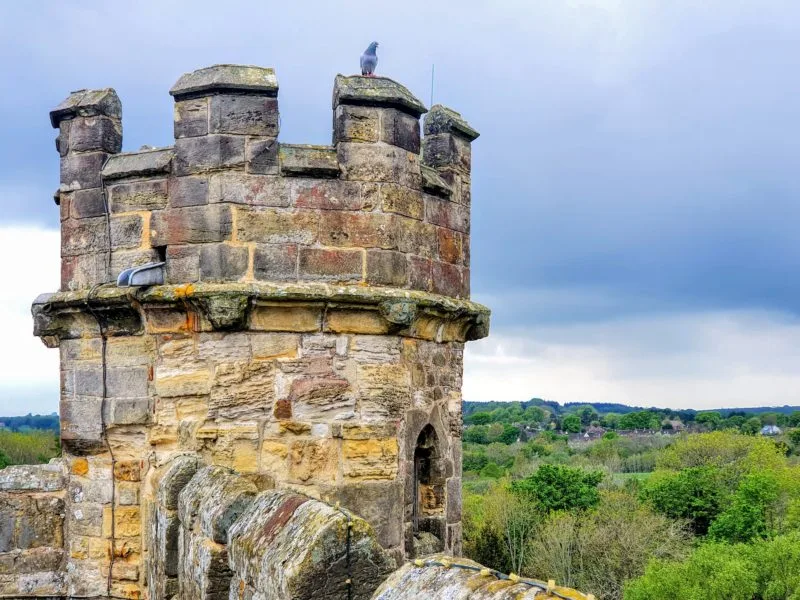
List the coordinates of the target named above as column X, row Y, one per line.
column 308, row 336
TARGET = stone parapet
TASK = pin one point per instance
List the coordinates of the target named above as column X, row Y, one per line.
column 32, row 530
column 442, row 577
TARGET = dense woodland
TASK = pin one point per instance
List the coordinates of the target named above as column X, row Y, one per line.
column 624, row 503
column 636, row 504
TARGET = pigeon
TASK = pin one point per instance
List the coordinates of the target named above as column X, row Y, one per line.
column 369, row 60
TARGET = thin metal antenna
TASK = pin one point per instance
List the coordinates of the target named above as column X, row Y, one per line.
column 433, row 72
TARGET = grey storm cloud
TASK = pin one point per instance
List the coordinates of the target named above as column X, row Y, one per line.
column 636, row 156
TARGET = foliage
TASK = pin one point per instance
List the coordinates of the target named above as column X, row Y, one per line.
column 712, row 572
column 640, row 420
column 29, row 421
column 694, row 494
column 766, row 570
column 30, row 447
column 571, row 423
column 558, row 487
column 597, row 551
column 750, row 513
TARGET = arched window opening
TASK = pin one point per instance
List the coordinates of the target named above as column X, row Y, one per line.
column 429, row 492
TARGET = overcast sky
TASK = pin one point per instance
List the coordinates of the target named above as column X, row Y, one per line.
column 636, row 184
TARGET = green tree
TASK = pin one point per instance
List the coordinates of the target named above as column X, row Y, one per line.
column 492, row 470
column 712, row 572
column 794, row 419
column 644, row 419
column 558, row 487
column 694, row 494
column 571, row 423
column 479, row 418
column 476, row 434
column 711, row 420
column 751, row 512
column 751, row 426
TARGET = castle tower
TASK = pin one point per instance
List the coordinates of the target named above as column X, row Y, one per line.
column 310, row 326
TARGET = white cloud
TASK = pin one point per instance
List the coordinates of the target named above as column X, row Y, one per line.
column 697, row 360
column 28, row 371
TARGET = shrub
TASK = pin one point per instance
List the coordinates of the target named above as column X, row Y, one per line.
column 694, row 494
column 558, row 487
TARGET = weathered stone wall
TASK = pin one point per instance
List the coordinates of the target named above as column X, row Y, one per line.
column 211, row 536
column 440, row 577
column 32, row 530
column 309, row 332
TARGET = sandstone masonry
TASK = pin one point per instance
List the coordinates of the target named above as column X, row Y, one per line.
column 307, row 340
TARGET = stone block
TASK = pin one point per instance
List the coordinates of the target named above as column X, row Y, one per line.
column 266, row 346
column 446, row 279
column 320, row 399
column 355, row 229
column 331, row 264
column 313, row 461
column 275, row 262
column 130, row 411
column 400, row 129
column 191, row 118
column 382, row 164
column 81, row 272
column 355, row 321
column 384, row 391
column 126, row 231
column 372, row 459
column 130, row 382
column 242, row 390
column 244, row 115
column 83, row 236
column 222, row 262
column 188, row 191
column 190, row 225
column 285, row 318
column 186, row 380
column 453, row 491
column 276, row 227
column 420, row 275
column 416, row 237
column 138, row 196
column 32, row 478
column 183, row 264
column 356, row 124
column 252, row 190
column 261, row 156
column 446, row 214
column 405, row 201
column 149, row 162
column 304, row 160
column 85, row 204
column 444, row 150
column 95, row 133
column 380, row 503
column 450, row 246
column 327, row 194
column 387, row 267
column 208, row 153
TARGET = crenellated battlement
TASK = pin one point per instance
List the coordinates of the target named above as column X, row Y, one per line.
column 381, row 206
column 304, row 334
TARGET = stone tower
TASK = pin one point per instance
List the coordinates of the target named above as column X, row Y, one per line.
column 310, row 327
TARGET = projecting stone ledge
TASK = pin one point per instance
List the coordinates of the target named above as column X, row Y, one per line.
column 375, row 91
column 433, row 581
column 227, row 78
column 295, row 307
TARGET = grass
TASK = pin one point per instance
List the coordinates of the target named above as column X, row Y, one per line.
column 27, row 448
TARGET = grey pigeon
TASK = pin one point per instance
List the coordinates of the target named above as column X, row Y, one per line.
column 369, row 60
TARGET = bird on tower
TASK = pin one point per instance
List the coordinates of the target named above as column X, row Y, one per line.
column 369, row 60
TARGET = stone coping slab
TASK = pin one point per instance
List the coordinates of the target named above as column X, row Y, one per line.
column 375, row 91
column 226, row 78
column 262, row 307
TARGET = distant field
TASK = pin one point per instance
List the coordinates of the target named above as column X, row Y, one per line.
column 29, row 447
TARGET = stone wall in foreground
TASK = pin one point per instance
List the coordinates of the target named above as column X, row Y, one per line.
column 213, row 535
column 32, row 530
